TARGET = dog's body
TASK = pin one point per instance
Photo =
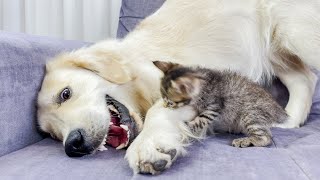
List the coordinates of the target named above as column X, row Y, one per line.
column 257, row 38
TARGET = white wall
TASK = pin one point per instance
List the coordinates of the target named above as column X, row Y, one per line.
column 88, row 20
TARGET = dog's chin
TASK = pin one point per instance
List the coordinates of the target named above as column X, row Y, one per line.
column 122, row 128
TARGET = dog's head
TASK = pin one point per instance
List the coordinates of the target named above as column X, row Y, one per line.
column 89, row 97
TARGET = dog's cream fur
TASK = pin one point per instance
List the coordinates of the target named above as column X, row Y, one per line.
column 258, row 38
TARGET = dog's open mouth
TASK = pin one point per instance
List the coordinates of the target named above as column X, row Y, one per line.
column 122, row 128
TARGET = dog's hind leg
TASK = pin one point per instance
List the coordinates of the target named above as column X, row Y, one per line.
column 291, row 68
column 296, row 44
column 301, row 85
column 300, row 82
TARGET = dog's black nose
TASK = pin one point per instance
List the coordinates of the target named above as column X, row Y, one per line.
column 76, row 145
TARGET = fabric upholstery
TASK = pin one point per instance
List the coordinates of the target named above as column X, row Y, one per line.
column 132, row 12
column 294, row 153
column 21, row 72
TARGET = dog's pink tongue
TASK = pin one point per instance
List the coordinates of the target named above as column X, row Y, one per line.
column 117, row 135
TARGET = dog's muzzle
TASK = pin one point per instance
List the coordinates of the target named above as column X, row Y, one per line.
column 121, row 132
column 122, row 128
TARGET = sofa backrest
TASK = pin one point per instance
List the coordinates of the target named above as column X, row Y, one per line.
column 22, row 60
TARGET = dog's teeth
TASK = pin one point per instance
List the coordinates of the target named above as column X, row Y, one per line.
column 128, row 135
column 124, row 127
column 102, row 148
column 121, row 146
column 112, row 108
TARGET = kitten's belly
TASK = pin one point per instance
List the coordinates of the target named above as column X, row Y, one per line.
column 225, row 126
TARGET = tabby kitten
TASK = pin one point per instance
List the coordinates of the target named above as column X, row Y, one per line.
column 224, row 101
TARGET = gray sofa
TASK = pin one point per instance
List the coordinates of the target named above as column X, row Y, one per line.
column 27, row 154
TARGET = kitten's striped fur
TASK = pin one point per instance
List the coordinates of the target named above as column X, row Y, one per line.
column 224, row 101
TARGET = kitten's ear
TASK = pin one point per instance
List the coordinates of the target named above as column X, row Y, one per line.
column 165, row 66
column 187, row 85
column 180, row 87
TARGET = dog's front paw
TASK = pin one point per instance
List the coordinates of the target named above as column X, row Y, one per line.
column 152, row 154
column 157, row 166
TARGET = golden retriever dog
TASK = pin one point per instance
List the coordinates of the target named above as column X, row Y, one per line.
column 109, row 92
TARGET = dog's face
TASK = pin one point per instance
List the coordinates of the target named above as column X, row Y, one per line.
column 73, row 103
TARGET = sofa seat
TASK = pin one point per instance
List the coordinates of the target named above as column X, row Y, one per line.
column 294, row 154
column 24, row 154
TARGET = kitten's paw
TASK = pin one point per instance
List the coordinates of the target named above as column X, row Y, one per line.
column 192, row 125
column 242, row 142
column 198, row 124
column 259, row 141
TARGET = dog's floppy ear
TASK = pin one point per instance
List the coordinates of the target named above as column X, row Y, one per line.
column 111, row 70
column 165, row 66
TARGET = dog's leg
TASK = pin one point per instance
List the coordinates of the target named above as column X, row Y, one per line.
column 301, row 86
column 162, row 139
column 297, row 40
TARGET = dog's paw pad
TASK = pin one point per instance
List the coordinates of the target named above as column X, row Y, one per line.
column 171, row 152
column 160, row 165
column 146, row 168
column 153, row 168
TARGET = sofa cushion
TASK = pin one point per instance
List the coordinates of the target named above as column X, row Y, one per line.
column 21, row 72
column 132, row 12
column 294, row 154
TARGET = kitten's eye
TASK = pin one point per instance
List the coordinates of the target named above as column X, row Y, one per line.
column 185, row 101
column 65, row 94
column 53, row 136
column 173, row 104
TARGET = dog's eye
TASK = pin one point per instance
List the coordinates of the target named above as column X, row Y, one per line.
column 53, row 136
column 65, row 95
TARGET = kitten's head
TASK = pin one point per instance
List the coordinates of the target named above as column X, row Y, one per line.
column 179, row 85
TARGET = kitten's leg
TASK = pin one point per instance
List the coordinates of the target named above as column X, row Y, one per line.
column 200, row 125
column 259, row 134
